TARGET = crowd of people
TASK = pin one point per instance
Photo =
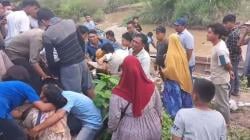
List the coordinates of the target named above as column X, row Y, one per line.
column 46, row 65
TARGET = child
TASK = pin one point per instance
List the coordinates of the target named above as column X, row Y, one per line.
column 200, row 122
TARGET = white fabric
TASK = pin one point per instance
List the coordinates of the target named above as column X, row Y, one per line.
column 17, row 22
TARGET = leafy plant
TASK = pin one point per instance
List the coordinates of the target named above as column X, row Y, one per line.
column 166, row 127
column 103, row 88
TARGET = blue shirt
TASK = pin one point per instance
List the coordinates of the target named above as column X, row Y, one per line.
column 83, row 108
column 14, row 94
column 92, row 49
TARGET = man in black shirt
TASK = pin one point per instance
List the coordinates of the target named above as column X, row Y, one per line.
column 233, row 44
column 161, row 46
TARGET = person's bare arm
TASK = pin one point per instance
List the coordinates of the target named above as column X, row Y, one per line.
column 48, row 122
column 189, row 54
column 229, row 68
column 175, row 137
column 243, row 39
column 39, row 71
column 44, row 107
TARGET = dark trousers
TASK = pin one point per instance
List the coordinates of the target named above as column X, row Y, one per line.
column 10, row 130
column 35, row 82
column 248, row 81
column 235, row 83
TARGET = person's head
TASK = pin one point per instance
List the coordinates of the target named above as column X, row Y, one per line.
column 131, row 27
column 126, row 39
column 93, row 37
column 2, row 10
column 110, row 35
column 52, row 93
column 180, row 25
column 215, row 32
column 150, row 34
column 88, row 18
column 203, row 91
column 160, row 33
column 7, row 5
column 31, row 7
column 136, row 19
column 108, row 48
column 18, row 73
column 139, row 42
column 82, row 32
column 229, row 21
column 44, row 15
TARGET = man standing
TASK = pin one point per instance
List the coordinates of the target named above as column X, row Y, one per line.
column 61, row 35
column 234, row 48
column 221, row 69
column 138, row 43
column 19, row 21
column 89, row 23
column 161, row 46
column 137, row 24
column 187, row 41
column 131, row 28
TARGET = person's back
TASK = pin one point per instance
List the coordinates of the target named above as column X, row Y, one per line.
column 26, row 46
column 12, row 95
column 17, row 23
column 199, row 124
column 62, row 34
column 83, row 108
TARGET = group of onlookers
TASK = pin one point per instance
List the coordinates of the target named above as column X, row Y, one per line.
column 46, row 60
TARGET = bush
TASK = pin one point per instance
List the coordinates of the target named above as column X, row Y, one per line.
column 98, row 15
column 199, row 12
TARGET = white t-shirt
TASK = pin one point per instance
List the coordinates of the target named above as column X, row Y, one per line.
column 220, row 57
column 196, row 124
column 17, row 22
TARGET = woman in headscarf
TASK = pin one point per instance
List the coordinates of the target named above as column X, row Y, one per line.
column 177, row 78
column 135, row 105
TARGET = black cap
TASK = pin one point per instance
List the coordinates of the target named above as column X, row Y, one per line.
column 161, row 29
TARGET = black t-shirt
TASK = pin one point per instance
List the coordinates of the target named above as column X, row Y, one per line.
column 162, row 48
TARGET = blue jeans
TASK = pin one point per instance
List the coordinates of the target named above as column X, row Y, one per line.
column 235, row 83
column 87, row 133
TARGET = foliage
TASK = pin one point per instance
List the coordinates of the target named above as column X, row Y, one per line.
column 166, row 126
column 112, row 5
column 238, row 133
column 103, row 93
column 199, row 12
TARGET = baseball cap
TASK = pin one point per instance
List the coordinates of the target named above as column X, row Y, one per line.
column 181, row 22
column 160, row 29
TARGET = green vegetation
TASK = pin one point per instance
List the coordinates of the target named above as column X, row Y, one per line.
column 199, row 12
column 166, row 127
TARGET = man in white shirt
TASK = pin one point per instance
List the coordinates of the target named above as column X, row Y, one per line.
column 138, row 43
column 89, row 23
column 19, row 21
column 221, row 69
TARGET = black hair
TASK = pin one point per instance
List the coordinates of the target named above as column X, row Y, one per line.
column 135, row 17
column 30, row 3
column 229, row 18
column 205, row 89
column 143, row 37
column 5, row 3
column 81, row 29
column 45, row 14
column 218, row 29
column 150, row 34
column 131, row 22
column 53, row 94
column 108, row 48
column 17, row 72
column 52, row 81
column 127, row 36
column 110, row 33
column 93, row 31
